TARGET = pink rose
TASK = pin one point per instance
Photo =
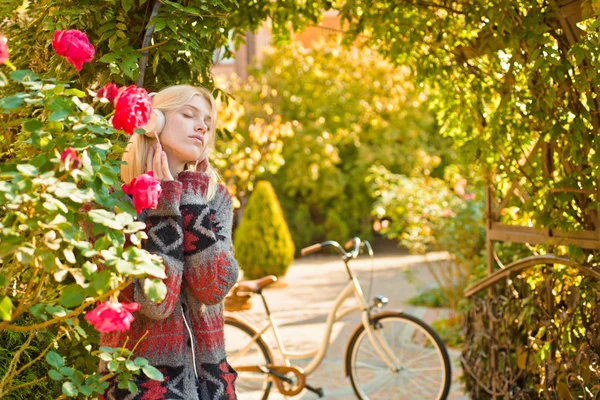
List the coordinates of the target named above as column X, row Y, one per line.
column 3, row 50
column 132, row 109
column 108, row 92
column 145, row 190
column 69, row 157
column 74, row 46
column 110, row 316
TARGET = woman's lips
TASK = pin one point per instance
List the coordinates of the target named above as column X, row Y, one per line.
column 198, row 139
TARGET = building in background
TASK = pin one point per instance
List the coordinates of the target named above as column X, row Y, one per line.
column 251, row 51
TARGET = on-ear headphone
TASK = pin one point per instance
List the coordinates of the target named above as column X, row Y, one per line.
column 156, row 124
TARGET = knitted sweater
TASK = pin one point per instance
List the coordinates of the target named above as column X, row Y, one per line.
column 193, row 236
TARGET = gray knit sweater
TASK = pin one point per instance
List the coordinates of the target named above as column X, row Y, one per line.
column 193, row 236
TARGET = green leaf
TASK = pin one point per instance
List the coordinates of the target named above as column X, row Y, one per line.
column 75, row 92
column 27, row 169
column 126, row 4
column 86, row 390
column 37, row 309
column 58, row 116
column 89, row 269
column 11, row 102
column 72, row 296
column 127, row 207
column 69, row 389
column 153, row 373
column 23, row 75
column 159, row 25
column 32, row 125
column 67, row 371
column 56, row 311
column 140, row 361
column 107, row 349
column 155, row 289
column 54, row 359
column 132, row 387
column 101, row 281
column 105, row 218
column 130, row 365
column 6, row 308
column 65, row 189
column 54, row 375
column 113, row 365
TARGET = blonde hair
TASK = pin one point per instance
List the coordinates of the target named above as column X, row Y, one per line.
column 171, row 98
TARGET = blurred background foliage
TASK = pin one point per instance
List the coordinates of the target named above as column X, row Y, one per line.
column 313, row 121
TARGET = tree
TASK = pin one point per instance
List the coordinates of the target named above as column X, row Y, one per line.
column 263, row 244
column 345, row 110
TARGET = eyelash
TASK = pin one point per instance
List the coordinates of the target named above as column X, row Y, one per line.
column 191, row 116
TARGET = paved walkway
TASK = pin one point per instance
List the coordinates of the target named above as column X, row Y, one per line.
column 302, row 299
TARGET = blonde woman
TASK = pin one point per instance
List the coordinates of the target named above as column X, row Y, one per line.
column 191, row 230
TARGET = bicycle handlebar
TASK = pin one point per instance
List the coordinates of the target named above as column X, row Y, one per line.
column 311, row 249
column 353, row 246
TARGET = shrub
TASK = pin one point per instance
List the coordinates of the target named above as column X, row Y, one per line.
column 263, row 241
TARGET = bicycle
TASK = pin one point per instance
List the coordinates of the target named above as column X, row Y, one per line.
column 390, row 355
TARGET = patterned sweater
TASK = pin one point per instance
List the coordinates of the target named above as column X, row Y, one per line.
column 193, row 236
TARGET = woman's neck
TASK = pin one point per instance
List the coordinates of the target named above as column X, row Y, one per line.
column 175, row 166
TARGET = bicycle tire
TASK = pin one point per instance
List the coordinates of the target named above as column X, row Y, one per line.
column 264, row 348
column 357, row 339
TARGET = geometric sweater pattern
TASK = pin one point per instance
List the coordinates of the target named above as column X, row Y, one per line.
column 193, row 237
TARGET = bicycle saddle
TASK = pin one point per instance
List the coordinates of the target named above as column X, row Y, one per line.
column 255, row 286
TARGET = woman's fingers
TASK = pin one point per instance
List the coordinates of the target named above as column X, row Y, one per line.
column 166, row 173
column 156, row 162
column 150, row 159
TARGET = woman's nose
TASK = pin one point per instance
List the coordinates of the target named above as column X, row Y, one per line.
column 201, row 126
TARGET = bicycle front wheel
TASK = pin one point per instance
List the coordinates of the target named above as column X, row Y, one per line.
column 245, row 348
column 420, row 366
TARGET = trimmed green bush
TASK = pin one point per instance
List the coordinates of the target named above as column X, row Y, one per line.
column 263, row 243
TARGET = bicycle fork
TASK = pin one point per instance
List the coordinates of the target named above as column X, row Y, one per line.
column 375, row 337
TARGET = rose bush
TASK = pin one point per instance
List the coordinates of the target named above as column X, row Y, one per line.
column 63, row 159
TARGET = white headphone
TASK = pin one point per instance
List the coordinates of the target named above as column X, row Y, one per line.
column 154, row 128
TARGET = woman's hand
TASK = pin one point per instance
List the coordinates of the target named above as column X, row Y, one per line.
column 157, row 162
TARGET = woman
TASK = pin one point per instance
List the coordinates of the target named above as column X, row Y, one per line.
column 191, row 230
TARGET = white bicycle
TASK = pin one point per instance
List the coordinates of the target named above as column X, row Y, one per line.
column 390, row 355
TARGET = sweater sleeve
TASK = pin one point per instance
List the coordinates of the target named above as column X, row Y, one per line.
column 210, row 268
column 165, row 239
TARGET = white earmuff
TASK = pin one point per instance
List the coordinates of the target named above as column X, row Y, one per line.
column 156, row 124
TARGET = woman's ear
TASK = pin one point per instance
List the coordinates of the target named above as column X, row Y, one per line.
column 156, row 124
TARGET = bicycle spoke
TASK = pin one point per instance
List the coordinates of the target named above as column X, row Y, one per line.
column 423, row 373
column 426, row 369
column 420, row 384
column 363, row 364
column 412, row 361
column 373, row 353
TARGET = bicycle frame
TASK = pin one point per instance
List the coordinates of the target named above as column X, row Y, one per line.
column 317, row 355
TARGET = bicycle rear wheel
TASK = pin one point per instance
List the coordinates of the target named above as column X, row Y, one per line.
column 242, row 350
column 423, row 367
